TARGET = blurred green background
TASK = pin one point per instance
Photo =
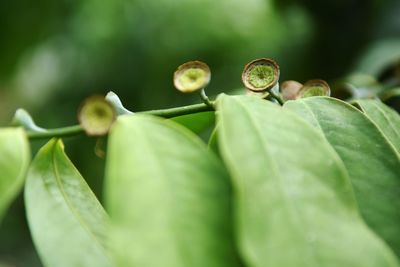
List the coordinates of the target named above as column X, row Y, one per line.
column 53, row 54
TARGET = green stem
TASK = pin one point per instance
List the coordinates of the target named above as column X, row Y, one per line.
column 277, row 98
column 165, row 113
column 179, row 111
column 205, row 98
column 57, row 132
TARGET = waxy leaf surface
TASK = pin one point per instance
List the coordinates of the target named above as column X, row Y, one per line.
column 169, row 198
column 384, row 117
column 294, row 203
column 371, row 161
column 14, row 161
column 67, row 223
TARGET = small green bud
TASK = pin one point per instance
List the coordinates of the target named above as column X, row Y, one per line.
column 260, row 75
column 314, row 88
column 117, row 104
column 192, row 76
column 96, row 116
column 24, row 119
column 289, row 89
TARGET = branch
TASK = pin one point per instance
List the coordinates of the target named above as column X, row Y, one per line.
column 77, row 129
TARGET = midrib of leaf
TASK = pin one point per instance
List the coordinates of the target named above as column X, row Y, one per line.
column 70, row 205
column 387, row 119
column 338, row 159
column 292, row 210
column 382, row 134
column 381, row 131
column 314, row 118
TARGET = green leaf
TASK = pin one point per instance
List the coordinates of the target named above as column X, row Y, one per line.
column 14, row 161
column 371, row 161
column 196, row 122
column 169, row 198
column 357, row 85
column 391, row 95
column 67, row 222
column 379, row 56
column 213, row 141
column 294, row 203
column 385, row 118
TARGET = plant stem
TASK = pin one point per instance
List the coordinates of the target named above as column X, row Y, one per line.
column 57, row 132
column 205, row 98
column 165, row 113
column 277, row 98
column 178, row 111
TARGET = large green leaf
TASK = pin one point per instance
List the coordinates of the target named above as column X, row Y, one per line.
column 169, row 198
column 14, row 161
column 370, row 159
column 67, row 223
column 294, row 203
column 387, row 120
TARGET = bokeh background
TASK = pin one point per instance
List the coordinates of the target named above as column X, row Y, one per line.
column 53, row 54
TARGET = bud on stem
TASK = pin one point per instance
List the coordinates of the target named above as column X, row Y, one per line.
column 96, row 116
